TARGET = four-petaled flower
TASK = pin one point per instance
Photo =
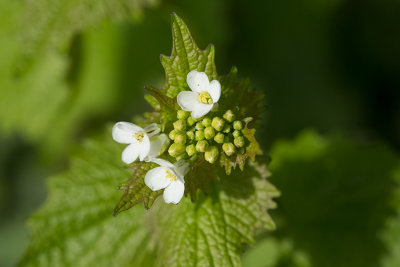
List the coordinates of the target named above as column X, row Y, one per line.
column 203, row 97
column 168, row 176
column 143, row 143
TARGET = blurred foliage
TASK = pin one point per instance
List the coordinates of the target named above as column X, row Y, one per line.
column 335, row 198
column 331, row 65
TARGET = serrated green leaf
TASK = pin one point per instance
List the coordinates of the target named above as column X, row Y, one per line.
column 135, row 189
column 211, row 231
column 75, row 227
column 186, row 56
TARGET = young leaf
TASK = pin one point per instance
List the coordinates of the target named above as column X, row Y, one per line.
column 135, row 189
column 211, row 231
column 75, row 227
column 186, row 56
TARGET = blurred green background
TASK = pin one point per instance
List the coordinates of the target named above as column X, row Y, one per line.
column 330, row 71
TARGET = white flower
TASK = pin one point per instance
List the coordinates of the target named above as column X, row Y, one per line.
column 168, row 176
column 203, row 97
column 143, row 143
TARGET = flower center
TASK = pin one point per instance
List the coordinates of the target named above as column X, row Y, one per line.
column 204, row 97
column 139, row 136
column 172, row 177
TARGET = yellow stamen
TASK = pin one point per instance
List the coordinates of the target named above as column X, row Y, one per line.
column 204, row 97
column 139, row 136
column 172, row 177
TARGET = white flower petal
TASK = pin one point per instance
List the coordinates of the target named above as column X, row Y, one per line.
column 214, row 90
column 131, row 153
column 181, row 167
column 201, row 109
column 123, row 132
column 152, row 129
column 156, row 178
column 144, row 147
column 158, row 144
column 197, row 81
column 187, row 100
column 174, row 192
column 163, row 162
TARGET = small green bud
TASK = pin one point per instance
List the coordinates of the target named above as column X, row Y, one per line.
column 237, row 125
column 209, row 132
column 219, row 138
column 190, row 135
column 180, row 138
column 228, row 148
column 191, row 150
column 180, row 125
column 181, row 114
column 206, row 122
column 201, row 146
column 182, row 156
column 176, row 149
column 211, row 154
column 199, row 135
column 227, row 128
column 172, row 134
column 239, row 141
column 190, row 121
column 236, row 133
column 199, row 126
column 218, row 123
column 229, row 116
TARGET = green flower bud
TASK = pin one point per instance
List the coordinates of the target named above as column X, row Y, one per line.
column 181, row 114
column 211, row 154
column 218, row 123
column 228, row 148
column 172, row 134
column 219, row 138
column 180, row 125
column 180, row 138
column 199, row 135
column 191, row 150
column 176, row 149
column 190, row 121
column 227, row 128
column 239, row 141
column 190, row 135
column 206, row 122
column 229, row 116
column 199, row 126
column 182, row 156
column 236, row 133
column 201, row 146
column 209, row 132
column 237, row 125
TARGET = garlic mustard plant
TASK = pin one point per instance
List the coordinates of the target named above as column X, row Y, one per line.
column 202, row 124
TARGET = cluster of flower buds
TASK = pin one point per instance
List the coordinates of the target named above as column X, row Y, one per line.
column 194, row 132
column 208, row 135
